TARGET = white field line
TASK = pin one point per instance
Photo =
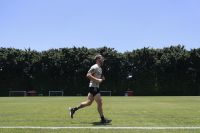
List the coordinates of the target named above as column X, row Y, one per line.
column 105, row 127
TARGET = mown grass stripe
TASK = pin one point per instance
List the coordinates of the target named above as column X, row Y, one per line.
column 102, row 127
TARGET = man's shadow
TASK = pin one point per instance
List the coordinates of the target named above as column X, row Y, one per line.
column 100, row 124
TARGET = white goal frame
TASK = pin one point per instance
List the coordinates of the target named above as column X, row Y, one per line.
column 62, row 93
column 11, row 92
column 110, row 92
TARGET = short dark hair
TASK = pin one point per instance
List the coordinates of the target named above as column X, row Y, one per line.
column 98, row 56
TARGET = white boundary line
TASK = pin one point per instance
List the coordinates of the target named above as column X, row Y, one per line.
column 140, row 128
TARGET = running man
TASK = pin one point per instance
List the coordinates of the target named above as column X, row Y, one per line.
column 95, row 76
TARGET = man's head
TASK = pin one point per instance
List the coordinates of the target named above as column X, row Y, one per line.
column 99, row 59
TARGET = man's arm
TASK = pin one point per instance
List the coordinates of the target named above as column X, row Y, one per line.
column 91, row 77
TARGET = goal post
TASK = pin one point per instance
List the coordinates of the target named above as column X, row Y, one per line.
column 56, row 93
column 106, row 93
column 17, row 93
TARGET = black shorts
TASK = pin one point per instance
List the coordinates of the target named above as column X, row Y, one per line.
column 94, row 90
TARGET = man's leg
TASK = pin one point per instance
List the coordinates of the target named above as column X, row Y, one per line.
column 99, row 102
column 88, row 102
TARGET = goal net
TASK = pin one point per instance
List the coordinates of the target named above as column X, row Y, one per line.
column 56, row 93
column 17, row 93
column 106, row 93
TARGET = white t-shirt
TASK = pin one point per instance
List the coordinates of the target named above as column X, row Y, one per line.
column 96, row 71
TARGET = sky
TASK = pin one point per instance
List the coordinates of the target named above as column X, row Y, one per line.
column 124, row 25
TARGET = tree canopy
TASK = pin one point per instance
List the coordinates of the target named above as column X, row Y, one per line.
column 168, row 71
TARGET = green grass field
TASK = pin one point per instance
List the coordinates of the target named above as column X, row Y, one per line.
column 124, row 111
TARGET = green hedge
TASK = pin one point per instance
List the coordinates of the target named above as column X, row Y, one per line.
column 168, row 71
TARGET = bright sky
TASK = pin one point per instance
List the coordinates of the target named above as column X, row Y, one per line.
column 121, row 24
